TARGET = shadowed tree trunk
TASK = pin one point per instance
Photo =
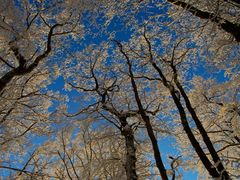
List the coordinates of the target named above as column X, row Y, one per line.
column 203, row 157
column 131, row 159
column 201, row 129
column 127, row 133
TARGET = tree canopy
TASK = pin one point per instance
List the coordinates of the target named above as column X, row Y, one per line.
column 131, row 89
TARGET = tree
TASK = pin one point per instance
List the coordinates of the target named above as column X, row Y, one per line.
column 31, row 36
column 150, row 54
column 108, row 103
column 144, row 116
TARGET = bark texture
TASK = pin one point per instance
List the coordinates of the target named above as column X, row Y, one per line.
column 131, row 159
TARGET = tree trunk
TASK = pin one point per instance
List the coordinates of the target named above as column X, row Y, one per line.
column 156, row 150
column 203, row 132
column 208, row 165
column 131, row 159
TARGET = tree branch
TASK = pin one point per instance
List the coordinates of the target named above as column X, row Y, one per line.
column 229, row 27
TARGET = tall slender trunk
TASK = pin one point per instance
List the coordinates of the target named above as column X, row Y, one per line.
column 202, row 131
column 206, row 162
column 201, row 154
column 157, row 154
column 203, row 157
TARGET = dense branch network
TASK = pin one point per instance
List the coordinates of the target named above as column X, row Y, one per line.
column 230, row 27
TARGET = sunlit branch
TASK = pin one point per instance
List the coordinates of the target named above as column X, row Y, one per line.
column 233, row 29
